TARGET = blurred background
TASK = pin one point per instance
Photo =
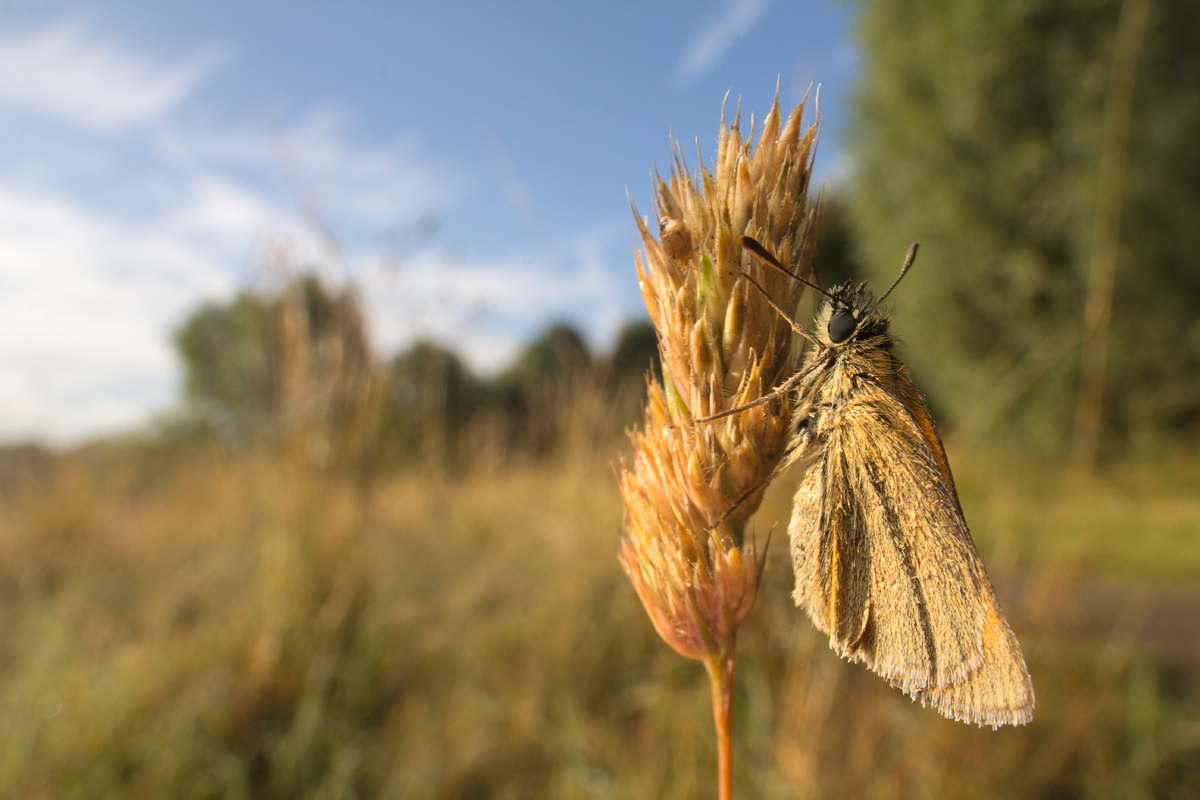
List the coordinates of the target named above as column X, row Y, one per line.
column 320, row 338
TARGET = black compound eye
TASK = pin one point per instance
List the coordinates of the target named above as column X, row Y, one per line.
column 841, row 325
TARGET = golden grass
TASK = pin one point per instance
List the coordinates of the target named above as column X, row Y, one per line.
column 204, row 624
column 726, row 343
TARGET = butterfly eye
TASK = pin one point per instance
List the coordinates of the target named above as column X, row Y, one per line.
column 841, row 326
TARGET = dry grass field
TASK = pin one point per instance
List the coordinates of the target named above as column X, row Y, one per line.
column 183, row 621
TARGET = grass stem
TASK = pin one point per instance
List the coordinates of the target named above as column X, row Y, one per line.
column 721, row 673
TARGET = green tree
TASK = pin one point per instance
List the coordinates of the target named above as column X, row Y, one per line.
column 978, row 134
column 227, row 365
column 432, row 396
column 534, row 396
column 635, row 352
column 834, row 254
column 296, row 366
column 557, row 355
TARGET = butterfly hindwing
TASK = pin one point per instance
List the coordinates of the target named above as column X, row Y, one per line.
column 885, row 564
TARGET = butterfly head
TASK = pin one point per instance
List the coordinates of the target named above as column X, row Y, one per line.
column 849, row 313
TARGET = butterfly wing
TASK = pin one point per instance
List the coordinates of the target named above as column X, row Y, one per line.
column 886, row 567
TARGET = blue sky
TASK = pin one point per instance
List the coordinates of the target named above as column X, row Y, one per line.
column 465, row 164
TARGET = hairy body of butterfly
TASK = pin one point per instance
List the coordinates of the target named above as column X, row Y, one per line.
column 883, row 559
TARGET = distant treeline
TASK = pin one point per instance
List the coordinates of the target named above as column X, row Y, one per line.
column 296, row 367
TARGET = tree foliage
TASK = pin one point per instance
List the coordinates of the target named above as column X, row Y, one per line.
column 978, row 134
column 432, row 396
column 296, row 366
column 227, row 369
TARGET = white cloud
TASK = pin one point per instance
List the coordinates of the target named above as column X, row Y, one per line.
column 89, row 301
column 85, row 315
column 709, row 45
column 318, row 163
column 68, row 74
column 375, row 185
column 224, row 213
column 487, row 310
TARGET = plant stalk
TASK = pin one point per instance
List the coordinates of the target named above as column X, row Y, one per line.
column 1102, row 270
column 721, row 673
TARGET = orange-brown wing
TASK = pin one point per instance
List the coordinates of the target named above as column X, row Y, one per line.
column 886, row 567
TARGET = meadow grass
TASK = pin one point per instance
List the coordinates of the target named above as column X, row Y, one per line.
column 192, row 622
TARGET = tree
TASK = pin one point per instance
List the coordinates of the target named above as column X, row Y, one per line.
column 432, row 396
column 226, row 364
column 978, row 134
column 635, row 352
column 558, row 354
column 293, row 367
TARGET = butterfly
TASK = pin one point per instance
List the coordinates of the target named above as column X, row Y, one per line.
column 883, row 559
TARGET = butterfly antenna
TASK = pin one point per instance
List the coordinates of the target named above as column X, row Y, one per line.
column 765, row 256
column 908, row 261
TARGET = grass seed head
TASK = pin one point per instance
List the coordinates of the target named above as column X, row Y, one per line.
column 722, row 346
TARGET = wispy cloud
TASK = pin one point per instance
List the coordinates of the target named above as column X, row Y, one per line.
column 485, row 310
column 373, row 185
column 67, row 73
column 320, row 165
column 709, row 45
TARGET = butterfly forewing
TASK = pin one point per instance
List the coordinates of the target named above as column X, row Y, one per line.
column 884, row 561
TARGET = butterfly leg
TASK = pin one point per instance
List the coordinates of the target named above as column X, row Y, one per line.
column 779, row 391
column 793, row 454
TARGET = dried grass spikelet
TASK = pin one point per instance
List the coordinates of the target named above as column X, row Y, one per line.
column 722, row 346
